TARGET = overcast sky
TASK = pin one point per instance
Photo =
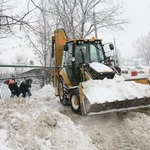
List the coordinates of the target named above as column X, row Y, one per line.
column 138, row 12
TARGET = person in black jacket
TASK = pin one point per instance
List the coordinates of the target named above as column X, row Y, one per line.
column 25, row 87
column 12, row 85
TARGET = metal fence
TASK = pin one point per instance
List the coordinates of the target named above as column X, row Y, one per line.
column 38, row 82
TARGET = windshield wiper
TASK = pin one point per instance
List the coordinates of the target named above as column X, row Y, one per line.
column 97, row 47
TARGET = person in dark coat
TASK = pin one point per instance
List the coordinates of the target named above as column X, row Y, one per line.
column 12, row 85
column 25, row 87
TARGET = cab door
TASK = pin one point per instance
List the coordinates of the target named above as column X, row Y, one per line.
column 68, row 61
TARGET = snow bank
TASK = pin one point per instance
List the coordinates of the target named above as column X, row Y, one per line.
column 138, row 127
column 32, row 124
column 45, row 94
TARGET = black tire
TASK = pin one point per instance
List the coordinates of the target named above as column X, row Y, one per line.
column 75, row 103
column 61, row 92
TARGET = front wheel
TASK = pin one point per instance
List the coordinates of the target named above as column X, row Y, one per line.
column 75, row 103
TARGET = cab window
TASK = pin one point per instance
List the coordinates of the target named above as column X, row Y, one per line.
column 93, row 53
column 96, row 53
column 68, row 55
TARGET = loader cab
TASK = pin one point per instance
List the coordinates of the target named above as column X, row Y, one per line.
column 90, row 51
column 72, row 60
column 81, row 52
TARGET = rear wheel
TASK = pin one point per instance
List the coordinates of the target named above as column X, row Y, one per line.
column 75, row 103
column 61, row 92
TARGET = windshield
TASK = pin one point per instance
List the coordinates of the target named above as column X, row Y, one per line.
column 96, row 53
column 89, row 52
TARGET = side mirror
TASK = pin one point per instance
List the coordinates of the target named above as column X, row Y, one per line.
column 111, row 46
column 66, row 48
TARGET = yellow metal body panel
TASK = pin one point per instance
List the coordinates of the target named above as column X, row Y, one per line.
column 60, row 40
column 65, row 77
column 55, row 77
column 81, row 95
column 140, row 80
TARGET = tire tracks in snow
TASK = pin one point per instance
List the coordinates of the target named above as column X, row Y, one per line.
column 128, row 130
column 116, row 136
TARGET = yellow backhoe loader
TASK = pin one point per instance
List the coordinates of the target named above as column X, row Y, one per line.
column 72, row 67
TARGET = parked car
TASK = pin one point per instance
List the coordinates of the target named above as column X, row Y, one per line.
column 131, row 68
column 124, row 70
column 140, row 69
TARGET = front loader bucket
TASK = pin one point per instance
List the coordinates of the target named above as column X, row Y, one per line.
column 87, row 108
column 94, row 106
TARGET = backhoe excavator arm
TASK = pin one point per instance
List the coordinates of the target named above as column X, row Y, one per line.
column 59, row 39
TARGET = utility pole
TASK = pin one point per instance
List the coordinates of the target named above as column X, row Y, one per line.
column 116, row 53
column 95, row 28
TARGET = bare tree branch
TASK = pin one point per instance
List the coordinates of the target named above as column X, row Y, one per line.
column 41, row 41
column 76, row 17
column 8, row 21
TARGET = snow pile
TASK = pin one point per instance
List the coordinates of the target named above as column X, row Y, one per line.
column 138, row 127
column 30, row 124
column 35, row 123
column 45, row 94
column 3, row 140
column 100, row 91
